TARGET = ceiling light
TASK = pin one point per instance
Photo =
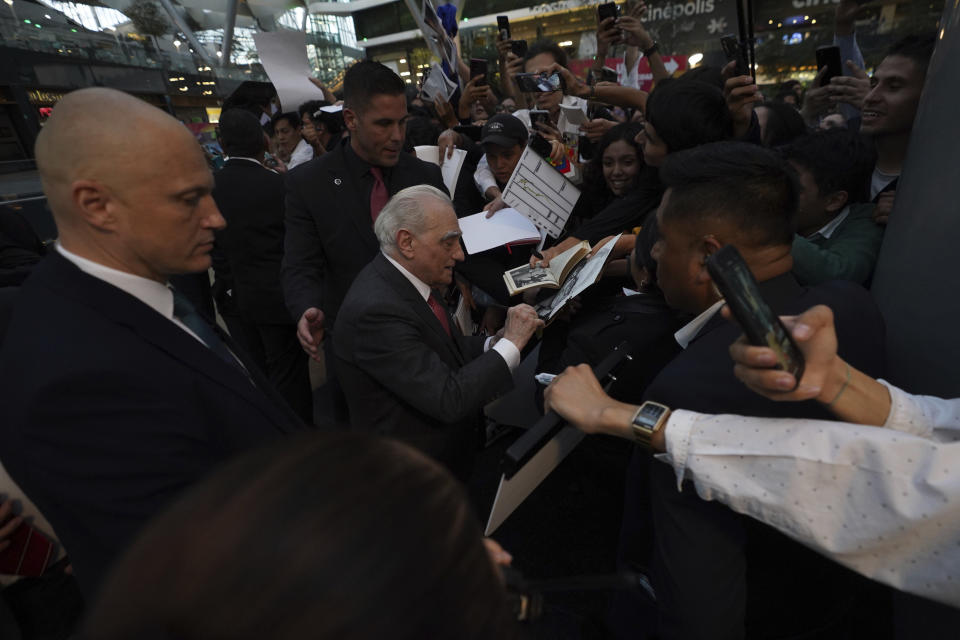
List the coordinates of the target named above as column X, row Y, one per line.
column 695, row 59
column 565, row 43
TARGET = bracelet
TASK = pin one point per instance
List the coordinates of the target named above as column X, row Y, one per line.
column 842, row 389
column 652, row 50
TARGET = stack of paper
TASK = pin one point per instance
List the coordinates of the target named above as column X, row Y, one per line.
column 450, row 167
column 481, row 233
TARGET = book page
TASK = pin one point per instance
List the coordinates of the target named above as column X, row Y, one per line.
column 561, row 265
column 585, row 273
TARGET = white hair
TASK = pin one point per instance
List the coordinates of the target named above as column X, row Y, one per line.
column 406, row 210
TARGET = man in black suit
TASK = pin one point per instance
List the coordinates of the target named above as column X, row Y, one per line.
column 250, row 198
column 333, row 200
column 718, row 574
column 406, row 369
column 116, row 394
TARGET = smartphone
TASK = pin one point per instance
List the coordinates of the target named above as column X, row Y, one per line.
column 608, row 75
column 537, row 116
column 478, row 67
column 538, row 82
column 829, row 57
column 761, row 326
column 540, row 145
column 608, row 10
column 503, row 26
column 733, row 49
column 519, row 48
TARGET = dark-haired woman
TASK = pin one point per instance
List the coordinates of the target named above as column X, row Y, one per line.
column 322, row 537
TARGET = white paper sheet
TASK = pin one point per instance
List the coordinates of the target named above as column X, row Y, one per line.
column 283, row 54
column 541, row 193
column 507, row 225
column 437, row 84
column 450, row 167
column 574, row 114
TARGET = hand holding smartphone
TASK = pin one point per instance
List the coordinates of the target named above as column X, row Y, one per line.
column 762, row 327
column 734, row 50
column 829, row 57
column 478, row 67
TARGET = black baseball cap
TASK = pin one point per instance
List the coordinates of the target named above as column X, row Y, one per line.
column 504, row 130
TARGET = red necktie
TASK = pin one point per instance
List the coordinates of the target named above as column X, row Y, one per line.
column 440, row 313
column 378, row 195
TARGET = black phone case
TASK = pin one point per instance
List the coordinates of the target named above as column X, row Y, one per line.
column 608, row 10
column 478, row 67
column 829, row 57
column 761, row 326
column 733, row 49
column 503, row 25
column 519, row 48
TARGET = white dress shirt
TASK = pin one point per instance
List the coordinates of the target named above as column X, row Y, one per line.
column 155, row 295
column 685, row 335
column 827, row 230
column 303, row 152
column 884, row 502
column 507, row 350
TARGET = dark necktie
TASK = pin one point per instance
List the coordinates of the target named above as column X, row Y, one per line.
column 184, row 311
column 438, row 311
column 379, row 194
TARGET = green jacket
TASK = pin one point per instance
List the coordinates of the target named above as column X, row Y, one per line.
column 850, row 252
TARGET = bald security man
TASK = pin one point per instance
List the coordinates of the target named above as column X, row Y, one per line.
column 116, row 394
column 407, row 371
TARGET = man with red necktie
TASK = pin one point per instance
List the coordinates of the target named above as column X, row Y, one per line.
column 333, row 200
column 405, row 368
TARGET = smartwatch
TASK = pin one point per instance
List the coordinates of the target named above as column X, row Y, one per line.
column 648, row 420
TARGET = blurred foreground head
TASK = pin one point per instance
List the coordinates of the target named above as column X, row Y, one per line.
column 334, row 536
column 128, row 185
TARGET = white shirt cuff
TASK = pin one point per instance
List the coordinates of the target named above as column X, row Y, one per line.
column 905, row 414
column 507, row 350
column 677, row 438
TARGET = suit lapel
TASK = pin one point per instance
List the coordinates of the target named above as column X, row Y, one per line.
column 126, row 310
column 345, row 186
column 409, row 293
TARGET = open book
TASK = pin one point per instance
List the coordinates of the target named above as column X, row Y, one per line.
column 583, row 274
column 551, row 277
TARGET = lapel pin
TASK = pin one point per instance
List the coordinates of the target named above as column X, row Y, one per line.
column 337, row 181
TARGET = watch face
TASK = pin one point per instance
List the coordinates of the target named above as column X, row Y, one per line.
column 650, row 413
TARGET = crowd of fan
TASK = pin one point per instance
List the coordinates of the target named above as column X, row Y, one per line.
column 163, row 451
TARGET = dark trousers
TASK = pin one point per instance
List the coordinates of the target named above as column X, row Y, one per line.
column 275, row 349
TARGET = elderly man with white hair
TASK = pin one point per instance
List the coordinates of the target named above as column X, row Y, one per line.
column 406, row 369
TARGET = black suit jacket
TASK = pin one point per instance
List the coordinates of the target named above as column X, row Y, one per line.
column 329, row 236
column 110, row 410
column 404, row 376
column 719, row 574
column 251, row 197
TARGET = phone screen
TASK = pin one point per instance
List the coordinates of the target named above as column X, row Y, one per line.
column 761, row 326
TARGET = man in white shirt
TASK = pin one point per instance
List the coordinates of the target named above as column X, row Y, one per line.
column 405, row 367
column 882, row 498
column 291, row 146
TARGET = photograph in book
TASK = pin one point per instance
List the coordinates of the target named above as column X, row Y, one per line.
column 550, row 277
column 581, row 277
